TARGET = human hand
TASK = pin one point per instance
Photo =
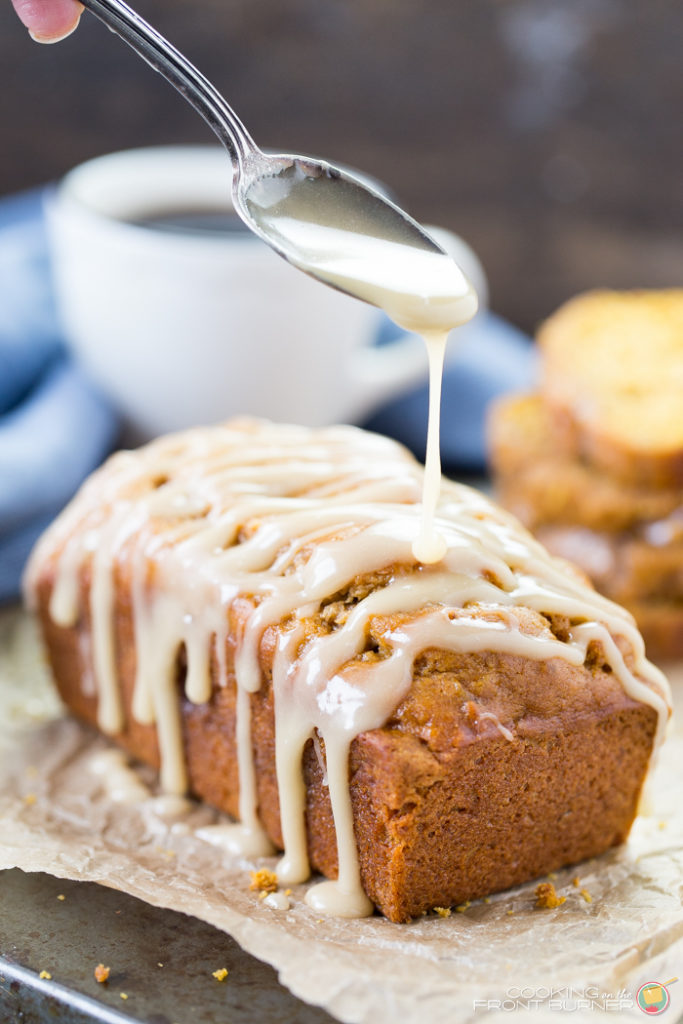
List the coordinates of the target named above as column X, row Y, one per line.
column 48, row 21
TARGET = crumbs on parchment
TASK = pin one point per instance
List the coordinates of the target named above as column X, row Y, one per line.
column 547, row 898
column 221, row 974
column 263, row 881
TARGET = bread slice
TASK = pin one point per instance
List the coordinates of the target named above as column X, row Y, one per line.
column 542, row 483
column 626, row 537
column 242, row 604
column 612, row 374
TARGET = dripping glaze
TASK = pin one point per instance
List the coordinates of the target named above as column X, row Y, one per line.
column 351, row 245
column 288, row 517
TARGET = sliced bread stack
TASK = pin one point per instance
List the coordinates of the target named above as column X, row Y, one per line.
column 593, row 462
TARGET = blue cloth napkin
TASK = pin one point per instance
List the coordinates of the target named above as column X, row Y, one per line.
column 55, row 427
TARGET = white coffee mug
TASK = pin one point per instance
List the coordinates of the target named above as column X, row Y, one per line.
column 185, row 327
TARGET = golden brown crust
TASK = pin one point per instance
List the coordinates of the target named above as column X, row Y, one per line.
column 446, row 808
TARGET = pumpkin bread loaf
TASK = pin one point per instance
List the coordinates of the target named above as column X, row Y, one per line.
column 240, row 607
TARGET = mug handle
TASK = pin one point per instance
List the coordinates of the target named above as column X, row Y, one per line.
column 381, row 371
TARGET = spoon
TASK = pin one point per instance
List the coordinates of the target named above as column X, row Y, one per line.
column 320, row 218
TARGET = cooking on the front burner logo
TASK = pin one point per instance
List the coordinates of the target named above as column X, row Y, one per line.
column 653, row 997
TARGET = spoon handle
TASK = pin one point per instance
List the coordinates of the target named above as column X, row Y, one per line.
column 176, row 69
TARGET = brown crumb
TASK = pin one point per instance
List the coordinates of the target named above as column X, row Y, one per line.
column 101, row 973
column 45, row 975
column 263, row 881
column 547, row 898
column 576, row 882
column 587, row 896
column 61, row 897
column 221, row 974
column 443, row 911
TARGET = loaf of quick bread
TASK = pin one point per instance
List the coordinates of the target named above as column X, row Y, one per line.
column 241, row 607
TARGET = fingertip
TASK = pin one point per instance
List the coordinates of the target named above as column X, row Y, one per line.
column 57, row 38
column 48, row 21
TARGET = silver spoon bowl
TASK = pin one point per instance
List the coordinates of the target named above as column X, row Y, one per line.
column 274, row 195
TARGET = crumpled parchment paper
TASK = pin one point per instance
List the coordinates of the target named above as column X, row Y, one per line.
column 620, row 927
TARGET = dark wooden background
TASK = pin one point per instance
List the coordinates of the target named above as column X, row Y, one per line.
column 547, row 132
